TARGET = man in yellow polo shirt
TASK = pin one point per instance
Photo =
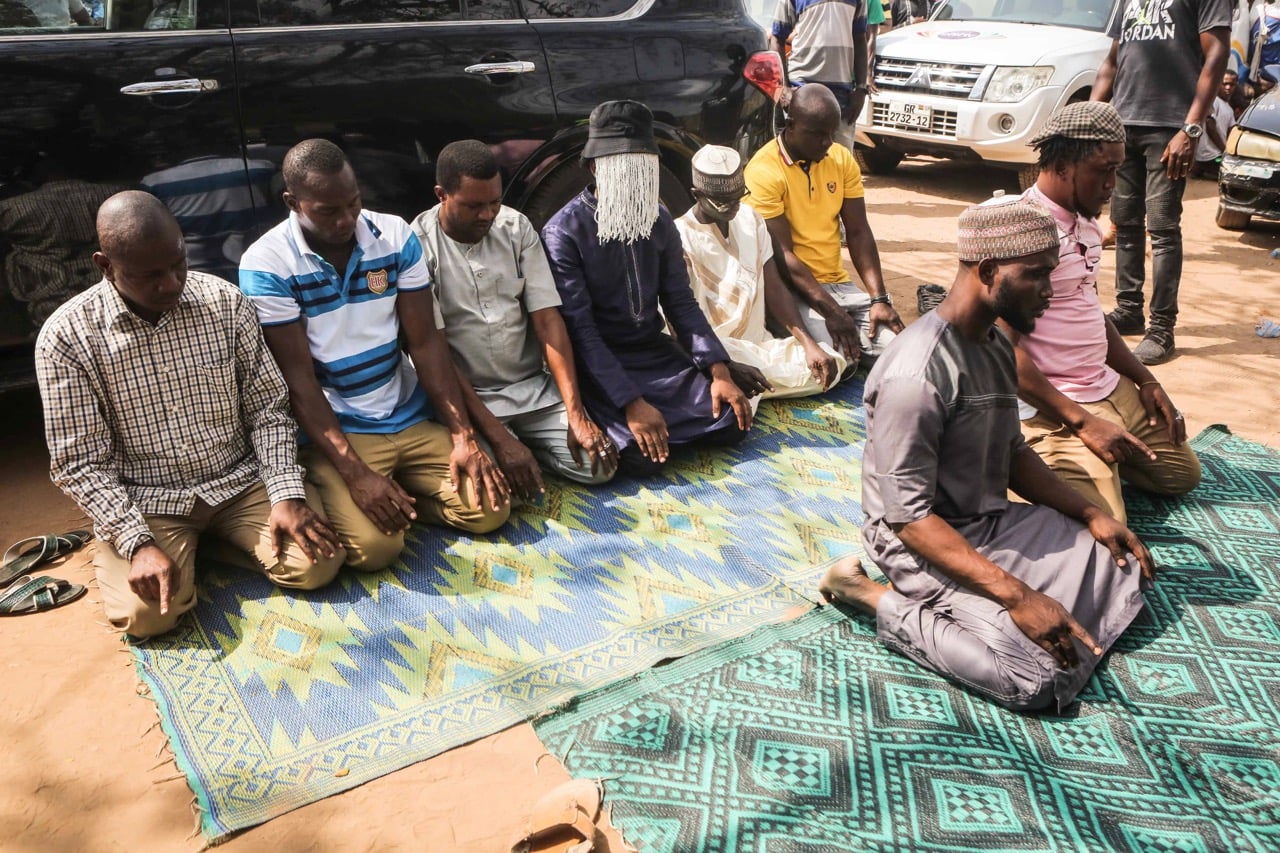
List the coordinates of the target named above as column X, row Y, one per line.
column 805, row 185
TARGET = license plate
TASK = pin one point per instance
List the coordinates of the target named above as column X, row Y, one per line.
column 1252, row 171
column 915, row 116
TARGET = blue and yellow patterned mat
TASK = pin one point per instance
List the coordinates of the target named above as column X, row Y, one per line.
column 810, row 736
column 272, row 700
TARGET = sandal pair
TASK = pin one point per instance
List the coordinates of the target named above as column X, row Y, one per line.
column 21, row 592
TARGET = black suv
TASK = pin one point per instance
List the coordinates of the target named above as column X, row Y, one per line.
column 197, row 101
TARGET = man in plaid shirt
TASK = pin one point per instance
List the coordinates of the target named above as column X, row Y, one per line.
column 166, row 417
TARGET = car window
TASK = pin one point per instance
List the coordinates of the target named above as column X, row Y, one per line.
column 491, row 10
column 40, row 17
column 288, row 13
column 1090, row 14
column 576, row 8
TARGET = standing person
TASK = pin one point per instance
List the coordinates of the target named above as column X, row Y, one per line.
column 1094, row 413
column 167, row 418
column 1162, row 74
column 335, row 286
column 502, row 318
column 619, row 266
column 829, row 41
column 1015, row 601
column 805, row 186
column 729, row 254
column 907, row 12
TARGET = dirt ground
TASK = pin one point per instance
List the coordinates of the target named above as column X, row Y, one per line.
column 84, row 765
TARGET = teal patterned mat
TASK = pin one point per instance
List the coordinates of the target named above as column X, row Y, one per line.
column 273, row 699
column 810, row 736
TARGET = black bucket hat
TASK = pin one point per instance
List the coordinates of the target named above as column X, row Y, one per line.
column 620, row 127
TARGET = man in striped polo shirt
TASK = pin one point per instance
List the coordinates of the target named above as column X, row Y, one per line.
column 387, row 438
column 828, row 46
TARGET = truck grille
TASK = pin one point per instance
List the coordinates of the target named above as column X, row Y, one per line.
column 941, row 123
column 935, row 78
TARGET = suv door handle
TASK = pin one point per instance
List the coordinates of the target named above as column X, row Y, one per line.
column 490, row 68
column 189, row 85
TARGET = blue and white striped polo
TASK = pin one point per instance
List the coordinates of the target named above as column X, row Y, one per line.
column 351, row 319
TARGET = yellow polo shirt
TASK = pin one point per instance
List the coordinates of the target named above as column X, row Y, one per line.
column 811, row 200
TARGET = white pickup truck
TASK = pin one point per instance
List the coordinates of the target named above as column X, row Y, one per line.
column 979, row 79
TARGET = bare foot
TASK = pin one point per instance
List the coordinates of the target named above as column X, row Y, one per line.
column 847, row 582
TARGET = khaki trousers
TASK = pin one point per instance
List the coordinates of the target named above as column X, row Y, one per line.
column 417, row 458
column 1176, row 471
column 241, row 523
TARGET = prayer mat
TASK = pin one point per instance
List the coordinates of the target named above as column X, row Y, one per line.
column 811, row 736
column 273, row 699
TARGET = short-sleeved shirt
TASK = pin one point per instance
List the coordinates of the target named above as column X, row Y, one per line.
column 352, row 326
column 1069, row 344
column 942, row 427
column 1223, row 119
column 823, row 34
column 1158, row 60
column 810, row 195
column 485, row 293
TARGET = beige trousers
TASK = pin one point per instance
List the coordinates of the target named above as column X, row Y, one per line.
column 242, row 523
column 1176, row 471
column 418, row 459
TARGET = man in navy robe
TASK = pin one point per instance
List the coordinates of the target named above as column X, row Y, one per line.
column 619, row 266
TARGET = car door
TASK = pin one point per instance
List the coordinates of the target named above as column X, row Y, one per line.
column 391, row 82
column 90, row 106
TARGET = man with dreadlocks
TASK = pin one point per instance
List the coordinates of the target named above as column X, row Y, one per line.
column 617, row 258
column 1089, row 407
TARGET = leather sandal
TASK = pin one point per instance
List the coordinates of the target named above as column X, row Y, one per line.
column 564, row 820
column 38, row 594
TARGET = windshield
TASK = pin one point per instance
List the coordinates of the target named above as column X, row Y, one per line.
column 1085, row 14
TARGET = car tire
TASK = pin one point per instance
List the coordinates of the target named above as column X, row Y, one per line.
column 569, row 179
column 880, row 160
column 1232, row 220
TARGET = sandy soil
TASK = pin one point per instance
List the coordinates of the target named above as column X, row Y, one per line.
column 84, row 765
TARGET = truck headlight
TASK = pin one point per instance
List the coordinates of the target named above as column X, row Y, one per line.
column 1013, row 84
column 1255, row 146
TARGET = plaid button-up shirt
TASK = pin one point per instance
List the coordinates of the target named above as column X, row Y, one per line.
column 143, row 419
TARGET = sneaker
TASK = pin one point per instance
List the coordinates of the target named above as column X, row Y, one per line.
column 1126, row 323
column 1155, row 348
column 928, row 297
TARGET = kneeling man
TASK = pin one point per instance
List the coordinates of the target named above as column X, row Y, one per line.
column 389, row 440
column 1016, row 601
column 166, row 418
column 618, row 264
column 1091, row 409
column 502, row 317
column 732, row 271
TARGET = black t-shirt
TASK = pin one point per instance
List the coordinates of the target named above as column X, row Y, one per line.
column 1159, row 57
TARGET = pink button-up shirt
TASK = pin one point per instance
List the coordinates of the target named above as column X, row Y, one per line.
column 1069, row 343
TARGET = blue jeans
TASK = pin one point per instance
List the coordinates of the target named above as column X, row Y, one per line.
column 1147, row 200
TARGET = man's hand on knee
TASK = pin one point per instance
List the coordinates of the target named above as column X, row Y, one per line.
column 1048, row 624
column 843, row 329
column 153, row 576
column 1111, row 442
column 1119, row 540
column 293, row 519
column 883, row 314
column 381, row 499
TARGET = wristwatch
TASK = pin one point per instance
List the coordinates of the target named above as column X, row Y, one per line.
column 1193, row 131
column 882, row 299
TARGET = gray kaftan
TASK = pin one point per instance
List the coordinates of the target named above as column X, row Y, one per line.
column 942, row 431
